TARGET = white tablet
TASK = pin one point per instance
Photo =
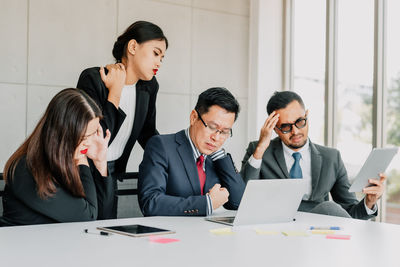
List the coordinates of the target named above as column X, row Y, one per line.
column 377, row 162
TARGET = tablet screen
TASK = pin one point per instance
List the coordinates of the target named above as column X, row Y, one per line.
column 135, row 230
column 377, row 162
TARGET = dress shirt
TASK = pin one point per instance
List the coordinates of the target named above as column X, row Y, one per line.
column 127, row 104
column 305, row 164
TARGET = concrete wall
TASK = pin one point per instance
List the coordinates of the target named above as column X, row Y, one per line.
column 45, row 44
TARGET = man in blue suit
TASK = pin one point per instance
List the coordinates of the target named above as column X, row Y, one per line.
column 189, row 173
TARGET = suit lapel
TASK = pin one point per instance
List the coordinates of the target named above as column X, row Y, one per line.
column 142, row 100
column 209, row 175
column 279, row 158
column 186, row 154
column 316, row 165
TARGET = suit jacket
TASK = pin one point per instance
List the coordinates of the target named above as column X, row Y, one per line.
column 169, row 182
column 144, row 125
column 328, row 175
column 23, row 206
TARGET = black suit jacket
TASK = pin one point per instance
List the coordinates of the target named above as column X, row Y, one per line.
column 328, row 175
column 169, row 182
column 144, row 125
column 23, row 206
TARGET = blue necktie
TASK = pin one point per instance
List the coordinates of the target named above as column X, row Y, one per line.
column 295, row 171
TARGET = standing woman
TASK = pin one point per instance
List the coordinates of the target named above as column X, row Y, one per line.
column 126, row 91
column 48, row 178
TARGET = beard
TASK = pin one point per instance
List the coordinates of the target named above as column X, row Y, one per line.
column 294, row 146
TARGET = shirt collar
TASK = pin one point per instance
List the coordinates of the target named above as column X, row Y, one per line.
column 288, row 151
column 196, row 152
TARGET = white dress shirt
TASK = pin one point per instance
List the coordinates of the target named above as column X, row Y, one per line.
column 127, row 104
column 305, row 164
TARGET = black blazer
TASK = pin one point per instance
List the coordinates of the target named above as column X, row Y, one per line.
column 23, row 206
column 144, row 125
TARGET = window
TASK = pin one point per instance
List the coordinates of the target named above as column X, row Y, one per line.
column 355, row 26
column 393, row 110
column 309, row 62
column 354, row 82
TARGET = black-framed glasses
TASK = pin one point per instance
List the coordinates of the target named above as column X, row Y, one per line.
column 287, row 127
column 213, row 129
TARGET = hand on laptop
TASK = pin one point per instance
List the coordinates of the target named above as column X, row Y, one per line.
column 265, row 135
column 219, row 196
column 374, row 192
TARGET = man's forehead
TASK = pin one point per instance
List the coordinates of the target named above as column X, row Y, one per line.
column 290, row 115
column 220, row 119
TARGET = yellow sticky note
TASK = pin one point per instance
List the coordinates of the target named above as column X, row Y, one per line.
column 323, row 232
column 222, row 231
column 264, row 232
column 294, row 233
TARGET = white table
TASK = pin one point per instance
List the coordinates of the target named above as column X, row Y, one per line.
column 371, row 244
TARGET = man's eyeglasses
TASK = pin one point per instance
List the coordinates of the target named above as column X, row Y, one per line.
column 213, row 129
column 287, row 127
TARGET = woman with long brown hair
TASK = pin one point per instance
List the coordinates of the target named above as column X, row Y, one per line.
column 49, row 178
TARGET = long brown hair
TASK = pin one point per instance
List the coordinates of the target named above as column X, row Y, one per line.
column 50, row 149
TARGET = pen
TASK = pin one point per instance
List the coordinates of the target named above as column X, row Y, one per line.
column 325, row 228
column 96, row 233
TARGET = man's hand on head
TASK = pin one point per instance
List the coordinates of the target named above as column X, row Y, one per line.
column 265, row 135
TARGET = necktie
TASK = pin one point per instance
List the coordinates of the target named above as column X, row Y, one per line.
column 200, row 170
column 295, row 171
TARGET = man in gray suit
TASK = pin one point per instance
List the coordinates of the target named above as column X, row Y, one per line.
column 293, row 155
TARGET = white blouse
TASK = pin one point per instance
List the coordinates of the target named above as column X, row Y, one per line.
column 127, row 104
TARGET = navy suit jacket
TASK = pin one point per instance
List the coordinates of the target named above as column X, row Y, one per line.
column 169, row 183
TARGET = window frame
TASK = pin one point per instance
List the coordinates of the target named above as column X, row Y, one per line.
column 331, row 46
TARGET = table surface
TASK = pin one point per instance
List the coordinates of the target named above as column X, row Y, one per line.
column 66, row 244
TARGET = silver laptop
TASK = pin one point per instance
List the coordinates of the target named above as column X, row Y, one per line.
column 267, row 201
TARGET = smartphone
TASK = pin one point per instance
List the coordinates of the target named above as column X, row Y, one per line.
column 135, row 230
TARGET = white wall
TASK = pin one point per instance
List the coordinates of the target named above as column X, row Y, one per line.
column 45, row 44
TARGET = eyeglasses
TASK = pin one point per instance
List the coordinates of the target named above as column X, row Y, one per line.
column 213, row 129
column 287, row 127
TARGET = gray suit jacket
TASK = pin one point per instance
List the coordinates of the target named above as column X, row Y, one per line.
column 328, row 175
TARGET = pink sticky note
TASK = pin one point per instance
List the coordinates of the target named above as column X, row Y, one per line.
column 162, row 240
column 342, row 237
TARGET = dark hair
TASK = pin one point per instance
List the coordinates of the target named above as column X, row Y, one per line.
column 217, row 96
column 50, row 149
column 141, row 31
column 282, row 99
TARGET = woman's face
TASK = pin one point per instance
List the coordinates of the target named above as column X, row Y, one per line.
column 147, row 58
column 91, row 131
